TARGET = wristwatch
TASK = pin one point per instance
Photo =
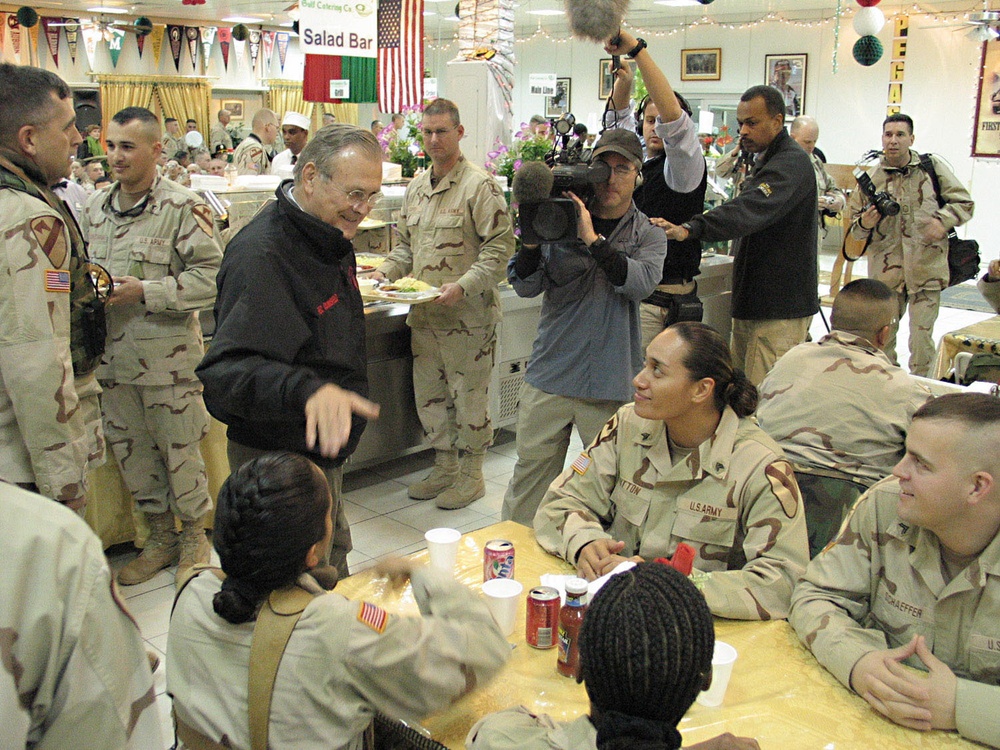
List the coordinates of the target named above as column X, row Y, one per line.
column 687, row 226
column 640, row 45
column 601, row 240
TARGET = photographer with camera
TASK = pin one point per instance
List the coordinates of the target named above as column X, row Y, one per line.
column 906, row 233
column 674, row 177
column 588, row 344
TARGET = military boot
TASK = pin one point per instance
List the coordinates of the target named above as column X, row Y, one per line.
column 161, row 550
column 442, row 476
column 194, row 548
column 468, row 487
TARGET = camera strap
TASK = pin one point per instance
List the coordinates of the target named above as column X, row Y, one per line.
column 868, row 242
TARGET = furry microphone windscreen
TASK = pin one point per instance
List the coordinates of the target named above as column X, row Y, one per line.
column 598, row 20
column 532, row 183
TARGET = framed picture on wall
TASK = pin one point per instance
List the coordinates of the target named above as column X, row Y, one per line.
column 606, row 78
column 701, row 64
column 235, row 107
column 787, row 73
column 986, row 137
column 558, row 105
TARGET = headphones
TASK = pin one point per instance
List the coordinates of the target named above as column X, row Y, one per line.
column 640, row 112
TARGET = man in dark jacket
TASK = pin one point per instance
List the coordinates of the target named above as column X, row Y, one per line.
column 286, row 369
column 773, row 220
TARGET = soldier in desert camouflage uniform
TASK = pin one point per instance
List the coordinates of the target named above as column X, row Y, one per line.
column 50, row 419
column 68, row 647
column 454, row 233
column 914, row 578
column 989, row 285
column 253, row 155
column 909, row 251
column 839, row 409
column 158, row 241
column 684, row 463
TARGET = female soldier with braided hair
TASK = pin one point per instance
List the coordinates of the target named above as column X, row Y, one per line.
column 635, row 703
column 344, row 660
column 685, row 463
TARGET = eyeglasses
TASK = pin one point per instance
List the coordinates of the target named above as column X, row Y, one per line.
column 623, row 170
column 428, row 134
column 357, row 197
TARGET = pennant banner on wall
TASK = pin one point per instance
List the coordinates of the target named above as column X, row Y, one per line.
column 52, row 37
column 33, row 45
column 175, row 34
column 3, row 32
column 207, row 40
column 192, row 35
column 72, row 29
column 241, row 54
column 156, row 39
column 115, row 45
column 91, row 35
column 254, row 49
column 15, row 35
column 140, row 42
column 283, row 38
column 268, row 50
column 225, row 39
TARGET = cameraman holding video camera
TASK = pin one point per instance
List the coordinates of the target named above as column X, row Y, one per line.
column 588, row 345
column 908, row 250
column 674, row 177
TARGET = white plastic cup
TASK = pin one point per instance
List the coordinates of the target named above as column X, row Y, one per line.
column 722, row 669
column 502, row 598
column 442, row 544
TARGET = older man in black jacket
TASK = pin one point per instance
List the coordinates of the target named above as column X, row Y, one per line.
column 773, row 220
column 287, row 369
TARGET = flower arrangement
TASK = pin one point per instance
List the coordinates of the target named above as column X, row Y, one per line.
column 715, row 145
column 402, row 146
column 238, row 131
column 527, row 146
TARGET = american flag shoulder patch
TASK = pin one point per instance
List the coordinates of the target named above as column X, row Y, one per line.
column 581, row 464
column 56, row 281
column 373, row 616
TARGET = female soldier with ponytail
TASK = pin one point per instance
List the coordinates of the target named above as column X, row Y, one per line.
column 685, row 463
column 645, row 653
column 344, row 659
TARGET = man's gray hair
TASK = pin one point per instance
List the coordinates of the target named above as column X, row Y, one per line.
column 330, row 141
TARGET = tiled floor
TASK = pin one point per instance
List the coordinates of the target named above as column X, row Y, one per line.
column 384, row 521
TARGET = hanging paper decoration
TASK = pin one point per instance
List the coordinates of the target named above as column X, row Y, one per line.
column 225, row 40
column 175, row 34
column 283, row 38
column 868, row 50
column 115, row 42
column 143, row 26
column 254, row 37
column 27, row 16
column 15, row 34
column 156, row 39
column 192, row 35
column 240, row 32
column 268, row 37
column 52, row 37
column 207, row 40
column 868, row 3
column 868, row 21
column 72, row 30
column 91, row 35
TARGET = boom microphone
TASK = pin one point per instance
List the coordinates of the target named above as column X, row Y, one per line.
column 597, row 20
column 532, row 183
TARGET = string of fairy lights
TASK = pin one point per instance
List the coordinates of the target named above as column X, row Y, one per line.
column 837, row 17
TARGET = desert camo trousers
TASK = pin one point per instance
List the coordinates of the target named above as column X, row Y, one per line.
column 451, row 378
column 923, row 309
column 155, row 433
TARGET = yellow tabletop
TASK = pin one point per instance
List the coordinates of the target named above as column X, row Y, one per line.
column 778, row 692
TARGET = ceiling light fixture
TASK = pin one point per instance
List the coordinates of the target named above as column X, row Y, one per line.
column 676, row 3
column 983, row 34
column 105, row 9
column 241, row 19
column 547, row 12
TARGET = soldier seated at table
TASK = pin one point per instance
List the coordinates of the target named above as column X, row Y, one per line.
column 989, row 285
column 913, row 580
column 652, row 610
column 685, row 463
column 344, row 659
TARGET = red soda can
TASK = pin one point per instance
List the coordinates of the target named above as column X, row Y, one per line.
column 542, row 627
column 498, row 559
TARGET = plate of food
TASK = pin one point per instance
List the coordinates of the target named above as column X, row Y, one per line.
column 407, row 289
column 368, row 262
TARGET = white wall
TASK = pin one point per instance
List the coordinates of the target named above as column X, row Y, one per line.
column 942, row 68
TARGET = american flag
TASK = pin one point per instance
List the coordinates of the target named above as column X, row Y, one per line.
column 400, row 54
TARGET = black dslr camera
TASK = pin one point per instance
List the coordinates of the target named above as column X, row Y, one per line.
column 882, row 201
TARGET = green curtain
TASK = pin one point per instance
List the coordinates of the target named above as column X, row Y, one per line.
column 361, row 72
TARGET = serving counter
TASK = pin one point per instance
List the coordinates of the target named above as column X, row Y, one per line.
column 778, row 692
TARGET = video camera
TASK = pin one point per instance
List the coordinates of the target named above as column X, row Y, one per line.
column 882, row 201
